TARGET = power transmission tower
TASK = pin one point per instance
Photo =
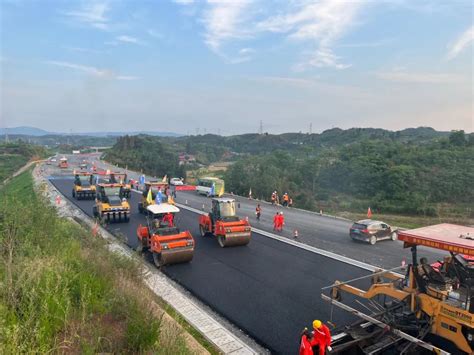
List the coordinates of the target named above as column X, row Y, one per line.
column 311, row 128
column 261, row 128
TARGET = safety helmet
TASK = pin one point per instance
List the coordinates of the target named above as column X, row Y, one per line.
column 317, row 324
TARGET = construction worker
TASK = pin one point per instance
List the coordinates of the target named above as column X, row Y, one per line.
column 286, row 199
column 321, row 337
column 168, row 219
column 305, row 345
column 281, row 222
column 273, row 197
column 275, row 221
column 258, row 212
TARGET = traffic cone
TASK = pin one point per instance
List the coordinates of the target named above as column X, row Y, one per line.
column 295, row 234
column 58, row 200
column 369, row 213
column 186, row 202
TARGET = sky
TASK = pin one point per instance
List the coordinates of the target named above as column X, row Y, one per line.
column 196, row 67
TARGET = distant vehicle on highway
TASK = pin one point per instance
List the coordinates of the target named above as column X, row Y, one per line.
column 210, row 186
column 176, row 182
column 371, row 231
column 54, row 160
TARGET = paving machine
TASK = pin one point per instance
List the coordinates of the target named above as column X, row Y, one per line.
column 155, row 187
column 63, row 163
column 111, row 204
column 160, row 235
column 223, row 222
column 425, row 310
column 83, row 188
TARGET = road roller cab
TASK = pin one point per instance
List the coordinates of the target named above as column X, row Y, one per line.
column 111, row 204
column 163, row 238
column 150, row 198
column 223, row 222
column 83, row 189
column 120, row 178
column 63, row 163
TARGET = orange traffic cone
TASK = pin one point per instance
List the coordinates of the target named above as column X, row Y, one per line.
column 369, row 213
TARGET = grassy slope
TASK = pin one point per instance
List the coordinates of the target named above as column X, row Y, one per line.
column 62, row 291
column 9, row 163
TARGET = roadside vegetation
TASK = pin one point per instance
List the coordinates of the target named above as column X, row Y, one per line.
column 145, row 153
column 62, row 291
column 424, row 180
column 16, row 154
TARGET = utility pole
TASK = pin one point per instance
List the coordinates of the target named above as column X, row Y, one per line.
column 6, row 134
column 261, row 128
column 311, row 128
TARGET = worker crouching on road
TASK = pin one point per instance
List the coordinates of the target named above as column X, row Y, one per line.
column 321, row 337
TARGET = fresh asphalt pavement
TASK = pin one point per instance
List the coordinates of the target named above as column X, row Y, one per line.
column 323, row 232
column 269, row 289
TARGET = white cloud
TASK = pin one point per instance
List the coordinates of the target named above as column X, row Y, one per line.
column 298, row 82
column 184, row 2
column 321, row 24
column 92, row 14
column 129, row 39
column 418, row 78
column 96, row 72
column 224, row 20
column 462, row 42
column 82, row 50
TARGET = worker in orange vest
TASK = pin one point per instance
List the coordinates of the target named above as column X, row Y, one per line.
column 286, row 199
column 321, row 337
column 275, row 221
column 280, row 221
column 258, row 212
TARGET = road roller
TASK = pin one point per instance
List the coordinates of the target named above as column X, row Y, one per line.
column 83, row 189
column 110, row 204
column 223, row 222
column 163, row 238
column 149, row 199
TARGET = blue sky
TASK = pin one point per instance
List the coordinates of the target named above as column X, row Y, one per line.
column 222, row 66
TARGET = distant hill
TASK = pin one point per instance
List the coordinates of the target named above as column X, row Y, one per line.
column 37, row 132
column 24, row 130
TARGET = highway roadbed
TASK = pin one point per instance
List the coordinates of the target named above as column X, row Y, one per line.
column 269, row 289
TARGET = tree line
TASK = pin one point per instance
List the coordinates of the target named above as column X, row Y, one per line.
column 387, row 175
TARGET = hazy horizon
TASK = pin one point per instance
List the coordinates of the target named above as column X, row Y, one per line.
column 192, row 67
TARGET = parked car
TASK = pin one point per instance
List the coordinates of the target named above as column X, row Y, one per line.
column 176, row 182
column 371, row 231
